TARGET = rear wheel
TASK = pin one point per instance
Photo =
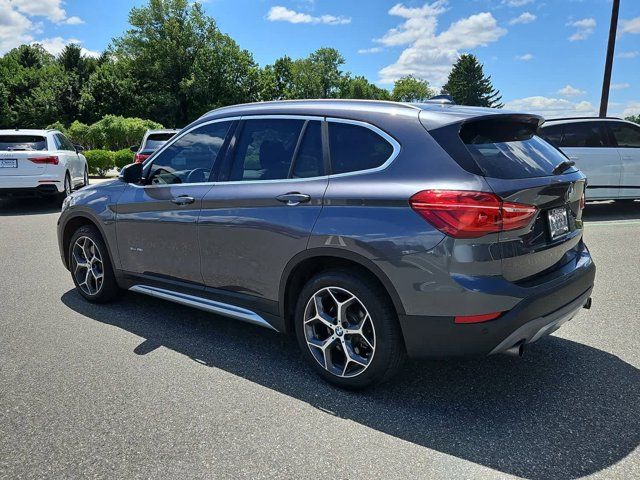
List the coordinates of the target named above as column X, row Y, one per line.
column 85, row 180
column 348, row 330
column 66, row 187
column 90, row 266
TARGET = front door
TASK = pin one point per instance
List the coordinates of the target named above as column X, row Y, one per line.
column 263, row 208
column 156, row 222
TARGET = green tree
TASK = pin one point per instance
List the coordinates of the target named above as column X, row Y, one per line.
column 468, row 85
column 634, row 118
column 411, row 89
column 78, row 69
column 184, row 65
column 360, row 87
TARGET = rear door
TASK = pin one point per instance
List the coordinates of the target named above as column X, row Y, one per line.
column 67, row 150
column 519, row 167
column 156, row 222
column 262, row 210
column 588, row 144
column 627, row 138
column 19, row 154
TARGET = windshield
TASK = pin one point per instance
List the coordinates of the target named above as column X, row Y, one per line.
column 14, row 143
column 504, row 149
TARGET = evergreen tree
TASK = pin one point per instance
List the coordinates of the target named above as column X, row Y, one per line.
column 468, row 85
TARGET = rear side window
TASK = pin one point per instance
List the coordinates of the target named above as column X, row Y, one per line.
column 509, row 150
column 354, row 148
column 265, row 149
column 64, row 143
column 552, row 134
column 190, row 158
column 627, row 136
column 22, row 142
column 584, row 134
column 156, row 140
column 309, row 161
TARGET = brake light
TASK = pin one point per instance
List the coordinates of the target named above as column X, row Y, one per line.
column 50, row 160
column 141, row 157
column 469, row 214
column 477, row 318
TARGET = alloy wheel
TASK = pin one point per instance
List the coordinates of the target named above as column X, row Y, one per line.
column 87, row 265
column 339, row 332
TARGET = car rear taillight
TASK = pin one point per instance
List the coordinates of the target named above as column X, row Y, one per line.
column 50, row 160
column 469, row 214
column 141, row 157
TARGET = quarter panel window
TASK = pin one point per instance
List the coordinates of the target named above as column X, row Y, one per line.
column 586, row 134
column 627, row 136
column 354, row 147
column 265, row 149
column 190, row 158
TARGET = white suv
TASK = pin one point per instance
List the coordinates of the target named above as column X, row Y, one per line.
column 40, row 162
column 607, row 150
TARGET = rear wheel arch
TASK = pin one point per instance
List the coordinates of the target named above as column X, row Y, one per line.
column 307, row 264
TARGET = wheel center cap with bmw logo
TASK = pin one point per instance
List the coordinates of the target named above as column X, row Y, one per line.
column 339, row 331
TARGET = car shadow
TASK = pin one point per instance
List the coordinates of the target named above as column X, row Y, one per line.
column 564, row 410
column 21, row 206
column 610, row 210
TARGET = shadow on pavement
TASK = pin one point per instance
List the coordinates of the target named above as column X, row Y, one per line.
column 602, row 211
column 565, row 410
column 28, row 206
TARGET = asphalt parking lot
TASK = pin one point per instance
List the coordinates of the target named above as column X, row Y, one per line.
column 147, row 389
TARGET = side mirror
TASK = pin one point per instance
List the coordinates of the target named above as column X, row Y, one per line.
column 79, row 148
column 135, row 148
column 131, row 173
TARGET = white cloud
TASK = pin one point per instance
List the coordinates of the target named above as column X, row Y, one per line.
column 283, row 14
column 569, row 91
column 584, row 28
column 632, row 108
column 429, row 54
column 631, row 54
column 55, row 45
column 516, row 3
column 525, row 17
column 15, row 28
column 50, row 9
column 630, row 26
column 370, row 50
column 551, row 107
column 620, row 86
column 525, row 58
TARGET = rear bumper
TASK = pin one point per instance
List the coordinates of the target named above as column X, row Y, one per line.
column 42, row 190
column 50, row 182
column 533, row 317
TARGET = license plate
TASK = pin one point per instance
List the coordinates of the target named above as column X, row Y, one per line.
column 558, row 222
column 9, row 163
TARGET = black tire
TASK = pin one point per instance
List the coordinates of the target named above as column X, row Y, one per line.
column 625, row 201
column 108, row 289
column 389, row 352
column 85, row 180
column 67, row 187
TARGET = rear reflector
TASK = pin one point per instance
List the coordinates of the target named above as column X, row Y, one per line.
column 477, row 318
column 50, row 160
column 469, row 214
column 141, row 157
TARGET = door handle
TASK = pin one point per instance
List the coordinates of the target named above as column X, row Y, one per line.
column 293, row 198
column 183, row 200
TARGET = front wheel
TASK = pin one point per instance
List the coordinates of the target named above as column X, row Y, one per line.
column 348, row 330
column 90, row 266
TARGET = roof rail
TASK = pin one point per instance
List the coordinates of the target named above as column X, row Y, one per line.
column 583, row 118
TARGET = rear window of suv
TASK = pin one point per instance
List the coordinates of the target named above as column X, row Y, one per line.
column 156, row 140
column 508, row 149
column 22, row 142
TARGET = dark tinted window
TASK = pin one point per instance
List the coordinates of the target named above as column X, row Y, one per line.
column 552, row 134
column 22, row 142
column 309, row 161
column 508, row 149
column 265, row 149
column 627, row 136
column 190, row 158
column 354, row 147
column 156, row 140
column 64, row 143
column 585, row 134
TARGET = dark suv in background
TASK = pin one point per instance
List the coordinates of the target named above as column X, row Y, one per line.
column 372, row 230
column 152, row 141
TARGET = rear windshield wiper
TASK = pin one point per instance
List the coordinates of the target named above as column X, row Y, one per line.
column 562, row 166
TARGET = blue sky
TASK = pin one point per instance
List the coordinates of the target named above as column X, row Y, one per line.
column 545, row 56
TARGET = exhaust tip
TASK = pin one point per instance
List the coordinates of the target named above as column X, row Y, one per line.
column 515, row 351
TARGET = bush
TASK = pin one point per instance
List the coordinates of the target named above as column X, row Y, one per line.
column 100, row 161
column 78, row 132
column 123, row 157
column 115, row 133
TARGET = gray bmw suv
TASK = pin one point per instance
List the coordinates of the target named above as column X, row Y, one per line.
column 370, row 230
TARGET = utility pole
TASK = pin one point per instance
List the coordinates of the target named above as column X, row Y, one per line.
column 606, row 82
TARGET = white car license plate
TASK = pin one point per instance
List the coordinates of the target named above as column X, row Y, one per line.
column 558, row 222
column 9, row 163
